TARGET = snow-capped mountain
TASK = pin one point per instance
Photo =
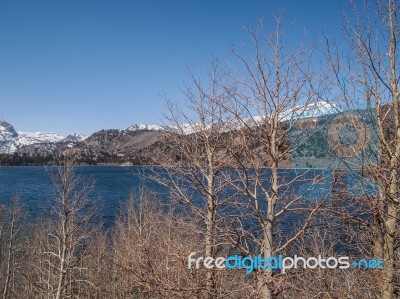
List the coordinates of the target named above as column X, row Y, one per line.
column 297, row 112
column 7, row 130
column 309, row 110
column 27, row 138
column 11, row 140
column 301, row 111
column 138, row 127
column 8, row 138
column 183, row 129
column 74, row 138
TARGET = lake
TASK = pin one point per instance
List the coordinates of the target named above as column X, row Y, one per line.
column 33, row 185
column 114, row 184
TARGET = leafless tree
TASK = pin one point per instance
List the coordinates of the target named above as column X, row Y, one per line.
column 58, row 261
column 144, row 269
column 273, row 84
column 327, row 283
column 193, row 175
column 369, row 77
column 12, row 222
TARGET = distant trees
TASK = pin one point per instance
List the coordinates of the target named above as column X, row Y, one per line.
column 18, row 159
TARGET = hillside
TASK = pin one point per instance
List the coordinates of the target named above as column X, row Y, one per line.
column 119, row 147
column 142, row 144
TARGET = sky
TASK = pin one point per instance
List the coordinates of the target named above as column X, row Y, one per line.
column 86, row 65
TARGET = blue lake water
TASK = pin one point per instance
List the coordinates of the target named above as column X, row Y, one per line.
column 33, row 185
column 113, row 186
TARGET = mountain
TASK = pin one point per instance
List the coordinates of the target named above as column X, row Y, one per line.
column 74, row 138
column 296, row 112
column 140, row 127
column 8, row 138
column 129, row 147
column 309, row 110
column 27, row 138
column 37, row 142
column 138, row 144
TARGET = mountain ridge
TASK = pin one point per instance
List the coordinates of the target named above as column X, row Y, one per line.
column 134, row 145
column 11, row 140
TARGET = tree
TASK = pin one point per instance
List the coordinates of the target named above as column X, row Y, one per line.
column 12, row 223
column 372, row 80
column 273, row 83
column 193, row 173
column 59, row 263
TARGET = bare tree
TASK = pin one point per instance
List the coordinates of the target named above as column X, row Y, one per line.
column 143, row 270
column 12, row 223
column 193, row 174
column 273, row 84
column 369, row 77
column 58, row 263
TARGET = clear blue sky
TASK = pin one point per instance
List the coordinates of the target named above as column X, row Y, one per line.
column 81, row 66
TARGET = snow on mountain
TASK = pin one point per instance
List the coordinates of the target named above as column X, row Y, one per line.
column 296, row 112
column 11, row 140
column 7, row 130
column 309, row 110
column 184, row 128
column 138, row 127
column 8, row 138
column 74, row 138
column 27, row 138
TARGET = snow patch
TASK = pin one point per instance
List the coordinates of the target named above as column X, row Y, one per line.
column 27, row 138
column 139, row 127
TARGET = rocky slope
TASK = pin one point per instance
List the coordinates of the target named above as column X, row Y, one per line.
column 128, row 147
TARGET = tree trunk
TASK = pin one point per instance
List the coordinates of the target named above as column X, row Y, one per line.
column 63, row 252
column 268, row 243
column 6, row 289
column 388, row 254
column 210, row 223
